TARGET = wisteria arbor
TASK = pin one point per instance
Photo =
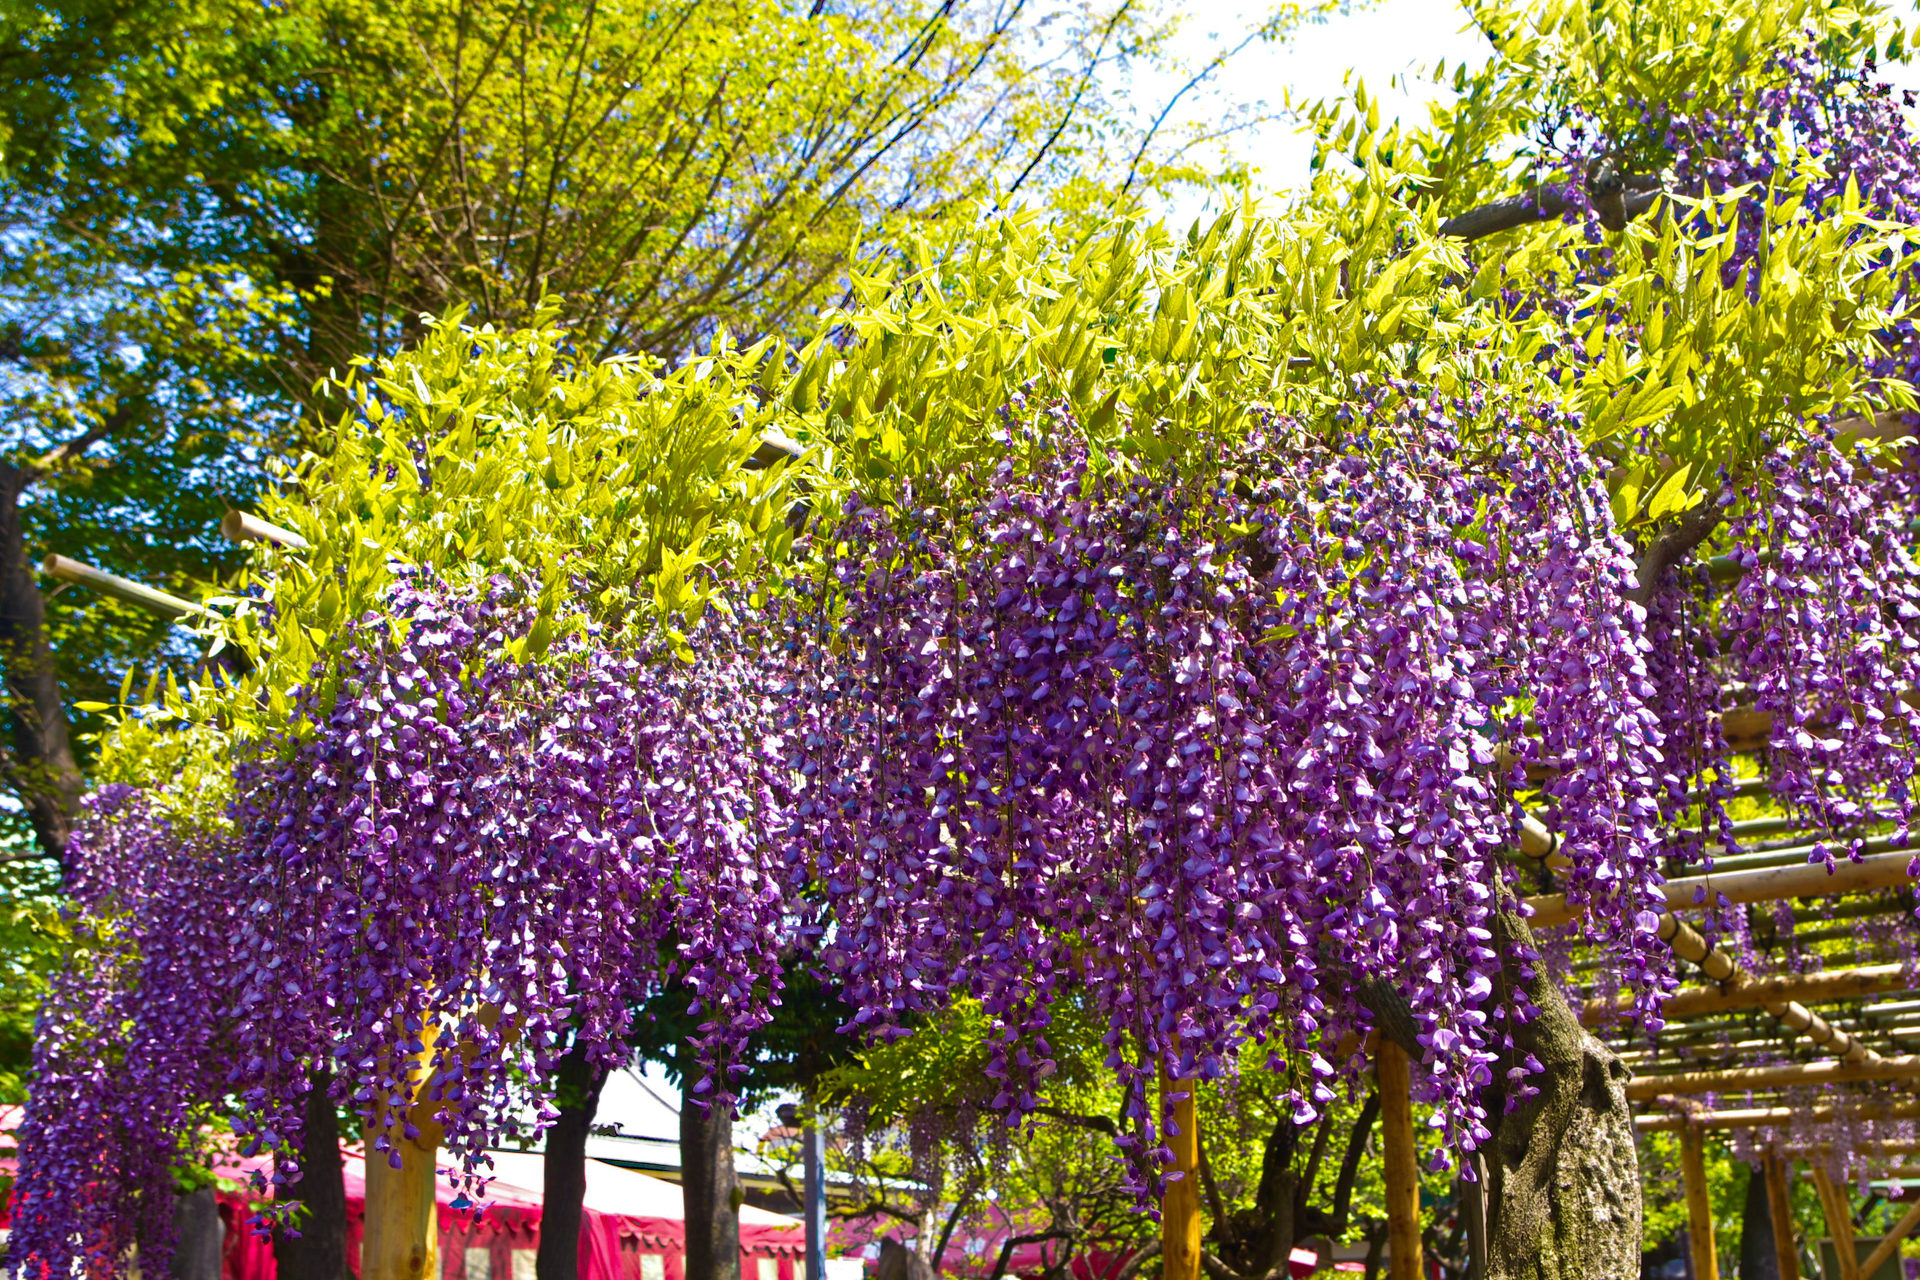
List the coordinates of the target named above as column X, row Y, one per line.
column 1193, row 627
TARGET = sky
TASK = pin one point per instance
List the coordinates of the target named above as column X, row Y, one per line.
column 1378, row 44
column 1375, row 43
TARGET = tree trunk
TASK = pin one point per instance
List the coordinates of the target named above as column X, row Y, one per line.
column 43, row 766
column 319, row 1251
column 1563, row 1185
column 198, row 1236
column 711, row 1193
column 1759, row 1260
column 577, row 1095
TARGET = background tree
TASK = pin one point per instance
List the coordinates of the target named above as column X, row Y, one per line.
column 251, row 198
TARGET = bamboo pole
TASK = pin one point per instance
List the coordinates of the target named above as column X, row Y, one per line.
column 1755, row 993
column 1180, row 1202
column 1787, row 1075
column 1833, row 1203
column 402, row 1237
column 1760, row 1117
column 1395, row 1078
column 1766, row 884
column 123, row 589
column 1890, row 1243
column 1693, row 1172
column 244, row 526
column 1780, row 1214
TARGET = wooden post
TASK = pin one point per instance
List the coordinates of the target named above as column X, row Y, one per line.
column 1402, row 1172
column 1890, row 1243
column 1180, row 1203
column 1833, row 1203
column 1777, row 1170
column 402, row 1230
column 1693, row 1172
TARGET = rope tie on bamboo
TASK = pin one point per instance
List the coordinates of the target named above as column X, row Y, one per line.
column 1802, row 1021
column 1536, row 841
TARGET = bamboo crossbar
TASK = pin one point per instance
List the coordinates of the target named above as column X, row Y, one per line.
column 1760, row 1117
column 1891, row 1242
column 1767, row 884
column 244, row 526
column 122, row 589
column 1758, row 993
column 1788, row 1075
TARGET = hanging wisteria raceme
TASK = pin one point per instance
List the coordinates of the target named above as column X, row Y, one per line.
column 477, row 858
column 1225, row 752
column 467, row 861
column 131, row 1043
column 1825, row 636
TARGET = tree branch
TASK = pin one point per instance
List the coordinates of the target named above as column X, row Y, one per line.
column 1669, row 546
column 1013, row 1242
column 1147, row 1253
column 1617, row 199
column 1099, row 1124
column 1391, row 1015
column 1350, row 1161
column 69, row 450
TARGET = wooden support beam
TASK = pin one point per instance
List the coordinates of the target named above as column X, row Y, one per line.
column 1693, row 1173
column 1833, row 1203
column 402, row 1236
column 1780, row 1213
column 1180, row 1202
column 123, row 589
column 1402, row 1172
column 1765, row 884
column 1757, row 993
column 1788, row 1075
column 1890, row 1243
column 1760, row 1117
column 244, row 526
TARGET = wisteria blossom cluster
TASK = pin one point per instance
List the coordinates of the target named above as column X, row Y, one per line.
column 1231, row 747
column 490, row 856
column 459, row 864
column 129, row 1053
column 1824, row 627
column 1221, row 750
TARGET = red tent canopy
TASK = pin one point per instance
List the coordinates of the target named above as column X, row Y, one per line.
column 633, row 1228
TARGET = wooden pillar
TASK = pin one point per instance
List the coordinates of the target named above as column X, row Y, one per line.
column 1180, row 1203
column 402, row 1236
column 1693, row 1172
column 1833, row 1203
column 1395, row 1076
column 1777, row 1170
column 1890, row 1243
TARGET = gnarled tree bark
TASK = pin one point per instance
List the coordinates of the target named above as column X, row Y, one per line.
column 1563, row 1181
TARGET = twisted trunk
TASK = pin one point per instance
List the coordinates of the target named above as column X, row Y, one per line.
column 198, row 1236
column 1563, row 1182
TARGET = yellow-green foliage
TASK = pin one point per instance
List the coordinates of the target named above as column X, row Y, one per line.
column 609, row 492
